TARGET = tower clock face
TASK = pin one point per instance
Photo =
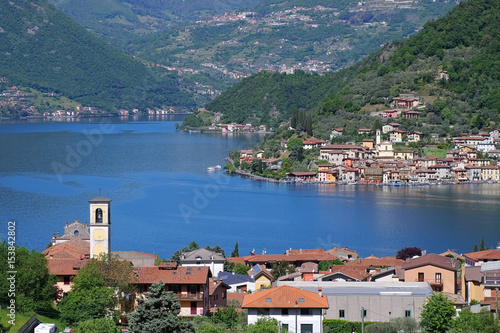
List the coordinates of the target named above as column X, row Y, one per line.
column 99, row 235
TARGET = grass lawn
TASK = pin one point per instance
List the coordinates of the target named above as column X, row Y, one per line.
column 439, row 153
column 22, row 318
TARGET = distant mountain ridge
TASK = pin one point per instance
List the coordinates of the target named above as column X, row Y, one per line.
column 42, row 48
column 214, row 44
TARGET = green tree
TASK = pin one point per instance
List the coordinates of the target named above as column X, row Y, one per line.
column 475, row 248
column 236, row 252
column 324, row 265
column 437, row 313
column 265, row 325
column 158, row 312
column 294, row 143
column 34, row 285
column 227, row 316
column 88, row 298
column 117, row 275
column 99, row 325
column 240, row 269
column 283, row 268
column 176, row 257
column 481, row 245
column 210, row 328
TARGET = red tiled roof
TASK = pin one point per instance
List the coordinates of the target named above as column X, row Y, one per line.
column 350, row 271
column 492, row 254
column 67, row 266
column 182, row 275
column 285, row 297
column 293, row 257
column 373, row 261
column 75, row 248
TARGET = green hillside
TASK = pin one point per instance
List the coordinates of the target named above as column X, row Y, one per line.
column 42, row 48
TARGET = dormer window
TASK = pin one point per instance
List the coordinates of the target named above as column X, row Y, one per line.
column 98, row 215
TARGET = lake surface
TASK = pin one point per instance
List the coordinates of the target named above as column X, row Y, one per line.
column 164, row 198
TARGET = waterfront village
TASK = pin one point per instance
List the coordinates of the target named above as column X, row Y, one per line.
column 386, row 160
column 317, row 285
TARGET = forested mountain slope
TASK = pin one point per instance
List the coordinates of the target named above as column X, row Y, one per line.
column 42, row 48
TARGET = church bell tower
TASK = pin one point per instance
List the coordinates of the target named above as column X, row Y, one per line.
column 100, row 222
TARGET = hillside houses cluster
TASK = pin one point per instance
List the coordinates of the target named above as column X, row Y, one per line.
column 377, row 161
column 384, row 287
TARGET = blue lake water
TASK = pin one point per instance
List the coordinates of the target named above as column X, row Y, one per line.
column 164, row 198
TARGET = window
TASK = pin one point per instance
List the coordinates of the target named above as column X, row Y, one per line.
column 98, row 215
column 285, row 326
column 269, row 300
column 262, row 312
column 407, row 313
column 341, row 313
column 175, row 288
column 284, row 312
column 420, row 277
column 66, row 280
column 438, row 278
column 306, row 328
column 306, row 312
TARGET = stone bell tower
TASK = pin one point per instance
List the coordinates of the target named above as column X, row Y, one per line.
column 100, row 224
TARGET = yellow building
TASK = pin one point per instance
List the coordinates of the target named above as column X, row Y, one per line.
column 100, row 222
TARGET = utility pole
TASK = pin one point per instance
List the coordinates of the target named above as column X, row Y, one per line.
column 362, row 320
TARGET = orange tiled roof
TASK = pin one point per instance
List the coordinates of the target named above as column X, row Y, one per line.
column 373, row 261
column 285, row 297
column 434, row 260
column 182, row 275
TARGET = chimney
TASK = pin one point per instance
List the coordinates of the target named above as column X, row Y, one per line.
column 300, row 251
column 320, row 291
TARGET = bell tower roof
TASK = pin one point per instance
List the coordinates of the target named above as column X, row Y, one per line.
column 99, row 199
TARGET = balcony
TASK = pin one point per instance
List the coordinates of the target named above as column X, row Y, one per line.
column 188, row 296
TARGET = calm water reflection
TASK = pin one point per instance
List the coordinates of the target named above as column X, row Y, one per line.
column 163, row 197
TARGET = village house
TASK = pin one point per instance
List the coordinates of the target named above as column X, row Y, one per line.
column 390, row 127
column 336, row 132
column 326, row 173
column 396, row 135
column 484, row 144
column 442, row 171
column 297, row 310
column 480, row 277
column 190, row 286
column 473, row 172
column 389, row 114
column 490, row 173
column 439, row 271
column 203, row 257
column 407, row 155
column 415, row 136
column 409, row 114
column 310, row 143
column 263, row 278
column 404, row 102
column 238, row 283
